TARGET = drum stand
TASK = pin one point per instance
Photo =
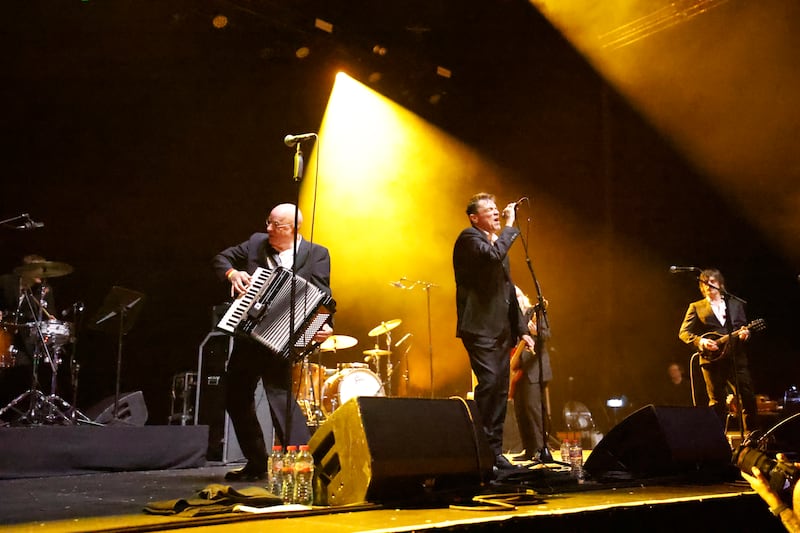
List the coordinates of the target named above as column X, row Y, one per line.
column 386, row 380
column 42, row 408
column 311, row 404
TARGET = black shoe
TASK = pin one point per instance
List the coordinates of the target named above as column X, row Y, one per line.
column 246, row 474
column 501, row 463
column 522, row 458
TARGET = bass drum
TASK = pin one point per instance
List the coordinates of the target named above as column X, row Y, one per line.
column 7, row 349
column 349, row 383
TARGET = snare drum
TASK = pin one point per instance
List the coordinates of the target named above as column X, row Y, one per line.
column 56, row 332
column 349, row 383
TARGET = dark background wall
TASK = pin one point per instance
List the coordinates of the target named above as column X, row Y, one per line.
column 147, row 141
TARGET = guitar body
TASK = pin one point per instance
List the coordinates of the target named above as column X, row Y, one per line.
column 516, row 368
column 723, row 340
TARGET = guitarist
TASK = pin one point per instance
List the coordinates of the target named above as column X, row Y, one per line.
column 718, row 315
column 526, row 385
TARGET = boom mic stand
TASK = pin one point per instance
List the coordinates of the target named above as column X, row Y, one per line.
column 426, row 286
column 542, row 323
column 297, row 176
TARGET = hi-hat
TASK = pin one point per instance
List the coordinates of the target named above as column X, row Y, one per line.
column 337, row 342
column 376, row 352
column 385, row 327
column 43, row 269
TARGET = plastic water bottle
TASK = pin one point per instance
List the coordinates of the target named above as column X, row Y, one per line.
column 565, row 451
column 576, row 460
column 274, row 470
column 304, row 477
column 287, row 474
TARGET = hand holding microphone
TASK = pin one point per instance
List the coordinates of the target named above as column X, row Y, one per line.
column 510, row 211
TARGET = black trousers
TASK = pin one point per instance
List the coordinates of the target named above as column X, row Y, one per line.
column 248, row 363
column 490, row 359
column 729, row 372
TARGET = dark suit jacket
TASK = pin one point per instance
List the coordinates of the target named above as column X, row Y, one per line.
column 313, row 261
column 486, row 302
column 700, row 319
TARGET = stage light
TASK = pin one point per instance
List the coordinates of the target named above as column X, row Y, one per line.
column 444, row 72
column 577, row 417
column 219, row 21
column 323, row 25
column 617, row 402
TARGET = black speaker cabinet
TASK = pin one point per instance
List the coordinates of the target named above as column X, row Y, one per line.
column 210, row 402
column 209, row 409
column 663, row 442
column 131, row 410
column 400, row 450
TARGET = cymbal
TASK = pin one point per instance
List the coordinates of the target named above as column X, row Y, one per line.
column 376, row 352
column 337, row 342
column 43, row 269
column 385, row 327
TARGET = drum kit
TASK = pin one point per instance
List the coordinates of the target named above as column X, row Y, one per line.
column 320, row 390
column 32, row 332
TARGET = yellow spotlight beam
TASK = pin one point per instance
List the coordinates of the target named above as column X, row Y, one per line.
column 390, row 196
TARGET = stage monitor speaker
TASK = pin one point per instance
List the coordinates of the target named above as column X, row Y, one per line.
column 131, row 410
column 663, row 442
column 401, row 451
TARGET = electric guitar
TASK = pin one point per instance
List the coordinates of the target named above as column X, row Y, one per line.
column 516, row 368
column 722, row 340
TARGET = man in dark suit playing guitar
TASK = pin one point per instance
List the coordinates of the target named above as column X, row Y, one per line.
column 718, row 328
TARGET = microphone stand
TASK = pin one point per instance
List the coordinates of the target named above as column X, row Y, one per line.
column 297, row 177
column 542, row 324
column 426, row 286
column 23, row 216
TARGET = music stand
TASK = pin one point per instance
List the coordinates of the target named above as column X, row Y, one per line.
column 117, row 315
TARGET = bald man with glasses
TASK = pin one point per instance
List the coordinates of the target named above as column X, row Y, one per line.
column 250, row 360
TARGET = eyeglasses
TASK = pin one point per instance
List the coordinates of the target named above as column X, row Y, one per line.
column 275, row 224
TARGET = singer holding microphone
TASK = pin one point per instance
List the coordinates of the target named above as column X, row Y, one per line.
column 489, row 321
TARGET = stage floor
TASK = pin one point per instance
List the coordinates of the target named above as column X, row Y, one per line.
column 115, row 502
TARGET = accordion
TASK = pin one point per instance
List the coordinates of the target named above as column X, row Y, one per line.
column 264, row 312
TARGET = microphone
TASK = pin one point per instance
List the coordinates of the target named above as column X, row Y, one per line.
column 298, row 164
column 29, row 223
column 516, row 205
column 291, row 140
column 399, row 283
column 404, row 339
column 675, row 269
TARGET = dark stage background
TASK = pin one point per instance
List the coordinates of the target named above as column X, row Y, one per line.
column 147, row 141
